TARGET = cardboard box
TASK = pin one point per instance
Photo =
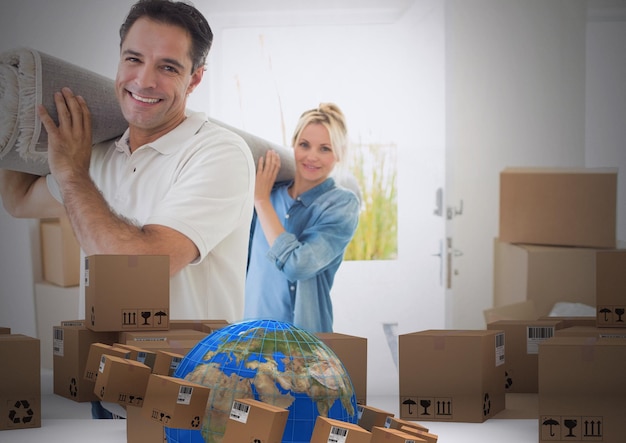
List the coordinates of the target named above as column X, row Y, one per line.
column 397, row 423
column 426, row 436
column 60, row 252
column 569, row 322
column 127, row 292
column 71, row 345
column 20, row 382
column 352, row 352
column 521, row 341
column 582, row 389
column 559, row 206
column 141, row 355
column 94, row 358
column 591, row 331
column 328, row 430
column 175, row 403
column 524, row 310
column 611, row 289
column 544, row 275
column 387, row 435
column 140, row 429
column 251, row 420
column 451, row 375
column 166, row 363
column 207, row 326
column 369, row 416
column 180, row 341
column 121, row 380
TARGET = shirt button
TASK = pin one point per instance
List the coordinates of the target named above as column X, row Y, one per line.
column 292, row 288
column 287, row 216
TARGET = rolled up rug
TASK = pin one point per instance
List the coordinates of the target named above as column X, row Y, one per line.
column 28, row 78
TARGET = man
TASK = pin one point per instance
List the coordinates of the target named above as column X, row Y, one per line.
column 174, row 184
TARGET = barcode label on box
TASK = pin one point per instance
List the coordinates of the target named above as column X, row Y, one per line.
column 535, row 335
column 388, row 421
column 337, row 435
column 184, row 395
column 102, row 364
column 240, row 411
column 499, row 349
column 57, row 342
column 174, row 363
column 359, row 412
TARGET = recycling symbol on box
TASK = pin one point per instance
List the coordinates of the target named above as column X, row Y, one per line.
column 21, row 412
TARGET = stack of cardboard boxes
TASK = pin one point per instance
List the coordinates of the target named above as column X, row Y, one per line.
column 20, row 381
column 126, row 351
column 557, row 243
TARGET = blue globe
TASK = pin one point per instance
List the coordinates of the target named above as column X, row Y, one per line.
column 273, row 362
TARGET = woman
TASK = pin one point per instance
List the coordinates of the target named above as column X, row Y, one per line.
column 301, row 228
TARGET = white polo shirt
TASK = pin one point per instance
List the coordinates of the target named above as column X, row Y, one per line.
column 199, row 180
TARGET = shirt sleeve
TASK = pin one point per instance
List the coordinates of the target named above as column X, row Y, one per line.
column 320, row 244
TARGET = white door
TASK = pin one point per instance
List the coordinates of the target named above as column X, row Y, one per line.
column 386, row 71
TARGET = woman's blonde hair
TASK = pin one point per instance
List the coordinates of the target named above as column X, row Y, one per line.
column 330, row 116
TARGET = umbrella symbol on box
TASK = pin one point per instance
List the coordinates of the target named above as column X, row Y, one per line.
column 605, row 311
column 551, row 422
column 160, row 314
column 409, row 402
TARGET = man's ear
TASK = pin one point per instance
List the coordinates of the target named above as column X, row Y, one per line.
column 196, row 78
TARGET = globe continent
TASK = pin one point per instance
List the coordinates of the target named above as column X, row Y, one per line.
column 273, row 362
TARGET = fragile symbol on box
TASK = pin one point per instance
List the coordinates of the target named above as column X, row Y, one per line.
column 571, row 428
column 160, row 416
column 434, row 407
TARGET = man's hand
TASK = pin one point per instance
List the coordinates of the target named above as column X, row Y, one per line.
column 69, row 143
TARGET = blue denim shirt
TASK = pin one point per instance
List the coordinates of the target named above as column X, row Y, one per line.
column 293, row 283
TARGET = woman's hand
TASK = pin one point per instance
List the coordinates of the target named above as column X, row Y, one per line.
column 266, row 173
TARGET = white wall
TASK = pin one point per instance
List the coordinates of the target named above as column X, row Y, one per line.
column 53, row 27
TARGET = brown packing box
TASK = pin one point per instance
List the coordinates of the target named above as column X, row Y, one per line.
column 559, row 206
column 369, row 416
column 611, row 289
column 127, row 292
column 166, row 363
column 141, row 355
column 524, row 310
column 94, row 358
column 544, row 275
column 330, row 430
column 397, row 423
column 180, row 341
column 582, row 388
column 69, row 358
column 352, row 352
column 424, row 435
column 175, row 403
column 121, row 380
column 387, row 435
column 207, row 326
column 521, row 342
column 451, row 375
column 140, row 429
column 251, row 420
column 591, row 331
column 569, row 322
column 20, row 382
column 60, row 252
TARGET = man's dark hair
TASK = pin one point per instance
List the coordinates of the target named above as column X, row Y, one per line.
column 177, row 13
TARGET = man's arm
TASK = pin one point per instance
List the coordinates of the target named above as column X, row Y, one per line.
column 97, row 228
column 27, row 196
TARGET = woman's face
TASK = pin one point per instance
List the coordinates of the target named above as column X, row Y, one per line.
column 314, row 155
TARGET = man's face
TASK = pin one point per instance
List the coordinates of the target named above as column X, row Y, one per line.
column 154, row 77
